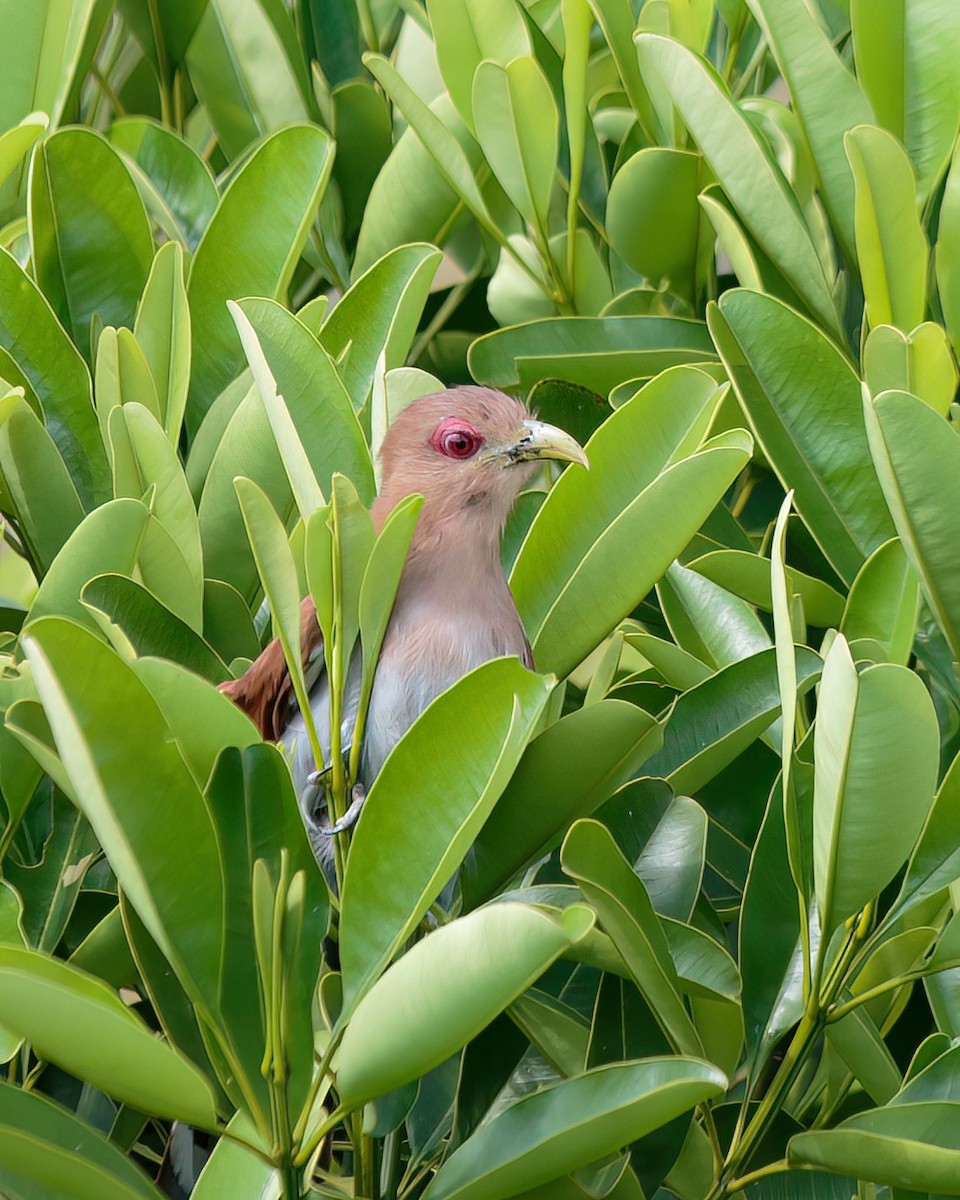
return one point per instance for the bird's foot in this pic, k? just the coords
(351, 816)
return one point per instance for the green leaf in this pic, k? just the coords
(162, 329)
(936, 859)
(445, 990)
(158, 468)
(251, 247)
(587, 529)
(149, 627)
(121, 376)
(84, 1027)
(232, 1170)
(381, 578)
(412, 200)
(40, 490)
(517, 127)
(109, 539)
(443, 147)
(15, 143)
(917, 456)
(47, 1148)
(905, 55)
(653, 216)
(892, 249)
(316, 399)
(50, 364)
(948, 253)
(89, 233)
(826, 96)
(303, 482)
(565, 773)
(919, 362)
(469, 31)
(572, 1123)
(419, 821)
(169, 870)
(45, 44)
(203, 720)
(591, 857)
(595, 352)
(278, 574)
(884, 604)
(706, 620)
(748, 575)
(244, 73)
(714, 722)
(913, 1146)
(176, 184)
(737, 157)
(379, 315)
(876, 751)
(671, 863)
(802, 400)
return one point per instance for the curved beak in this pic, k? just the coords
(540, 440)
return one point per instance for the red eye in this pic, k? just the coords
(456, 439)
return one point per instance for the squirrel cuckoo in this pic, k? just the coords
(469, 452)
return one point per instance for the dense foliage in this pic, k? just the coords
(704, 936)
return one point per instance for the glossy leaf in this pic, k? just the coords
(565, 773)
(826, 96)
(591, 858)
(33, 338)
(468, 31)
(378, 315)
(91, 240)
(407, 1024)
(427, 826)
(875, 771)
(175, 183)
(653, 217)
(46, 514)
(919, 362)
(903, 53)
(77, 1022)
(109, 539)
(518, 127)
(712, 723)
(251, 247)
(598, 353)
(46, 1149)
(162, 329)
(883, 604)
(85, 687)
(802, 400)
(150, 627)
(892, 250)
(748, 575)
(572, 1123)
(738, 159)
(918, 457)
(584, 528)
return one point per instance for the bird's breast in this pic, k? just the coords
(419, 660)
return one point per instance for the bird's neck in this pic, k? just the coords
(454, 558)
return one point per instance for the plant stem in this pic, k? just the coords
(805, 1036)
(163, 64)
(839, 1011)
(774, 1168)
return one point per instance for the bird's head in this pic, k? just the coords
(469, 452)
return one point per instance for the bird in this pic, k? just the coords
(469, 452)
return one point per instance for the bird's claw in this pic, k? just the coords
(351, 816)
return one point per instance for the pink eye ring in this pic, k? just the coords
(455, 438)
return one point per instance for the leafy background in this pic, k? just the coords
(704, 936)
